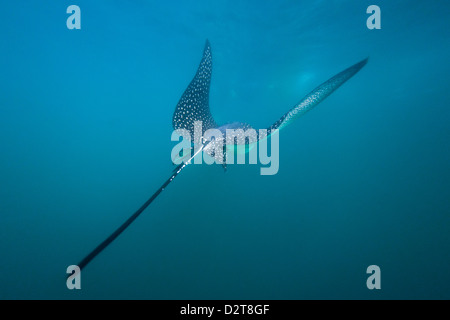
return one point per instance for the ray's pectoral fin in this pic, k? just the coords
(316, 96)
(194, 103)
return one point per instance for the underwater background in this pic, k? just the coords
(85, 126)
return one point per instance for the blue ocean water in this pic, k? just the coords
(85, 125)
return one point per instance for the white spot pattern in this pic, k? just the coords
(194, 103)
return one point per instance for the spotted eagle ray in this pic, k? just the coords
(193, 106)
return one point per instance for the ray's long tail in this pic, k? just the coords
(125, 225)
(133, 217)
